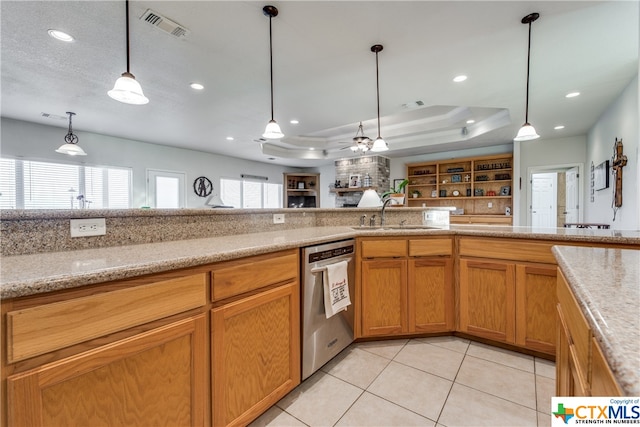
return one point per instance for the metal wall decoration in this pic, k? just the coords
(618, 161)
(202, 186)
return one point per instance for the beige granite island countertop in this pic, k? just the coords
(606, 283)
(23, 275)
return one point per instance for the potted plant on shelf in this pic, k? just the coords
(396, 194)
(416, 194)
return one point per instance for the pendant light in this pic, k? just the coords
(379, 144)
(272, 130)
(127, 89)
(527, 132)
(70, 146)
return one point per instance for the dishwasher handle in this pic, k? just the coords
(317, 270)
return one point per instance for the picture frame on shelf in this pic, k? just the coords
(505, 190)
(354, 181)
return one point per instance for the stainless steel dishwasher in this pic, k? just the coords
(323, 338)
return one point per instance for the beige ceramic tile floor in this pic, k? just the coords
(442, 381)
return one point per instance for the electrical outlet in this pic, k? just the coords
(490, 205)
(278, 218)
(88, 227)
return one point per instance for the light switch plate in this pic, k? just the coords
(88, 227)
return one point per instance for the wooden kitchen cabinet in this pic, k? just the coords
(507, 292)
(581, 368)
(384, 297)
(255, 335)
(487, 299)
(406, 286)
(154, 378)
(535, 307)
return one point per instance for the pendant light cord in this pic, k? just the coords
(127, 20)
(271, 64)
(526, 114)
(378, 93)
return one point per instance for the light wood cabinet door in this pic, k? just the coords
(430, 295)
(487, 299)
(384, 297)
(156, 378)
(603, 383)
(536, 307)
(255, 352)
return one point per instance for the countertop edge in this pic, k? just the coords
(626, 375)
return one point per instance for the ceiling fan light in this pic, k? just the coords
(526, 133)
(379, 145)
(128, 90)
(71, 150)
(272, 130)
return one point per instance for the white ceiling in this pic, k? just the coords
(324, 71)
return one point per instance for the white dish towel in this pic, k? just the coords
(336, 288)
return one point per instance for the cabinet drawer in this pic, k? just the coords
(41, 329)
(508, 249)
(430, 247)
(578, 328)
(384, 248)
(244, 275)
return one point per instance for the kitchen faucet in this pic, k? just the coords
(384, 206)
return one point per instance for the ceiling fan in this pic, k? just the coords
(360, 142)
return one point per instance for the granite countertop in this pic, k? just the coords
(606, 283)
(23, 275)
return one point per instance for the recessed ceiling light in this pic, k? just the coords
(196, 86)
(311, 149)
(294, 122)
(559, 127)
(470, 121)
(459, 78)
(229, 138)
(60, 35)
(572, 94)
(271, 158)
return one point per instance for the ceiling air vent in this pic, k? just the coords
(165, 24)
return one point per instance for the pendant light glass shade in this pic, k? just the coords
(71, 147)
(272, 130)
(71, 150)
(527, 132)
(370, 199)
(379, 145)
(128, 90)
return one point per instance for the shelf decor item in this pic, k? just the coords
(354, 181)
(505, 190)
(478, 192)
(456, 178)
(601, 176)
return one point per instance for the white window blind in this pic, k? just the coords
(7, 184)
(26, 184)
(250, 194)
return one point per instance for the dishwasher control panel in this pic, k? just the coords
(331, 253)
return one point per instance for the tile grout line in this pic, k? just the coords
(453, 382)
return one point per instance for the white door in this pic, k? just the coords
(572, 200)
(165, 189)
(543, 200)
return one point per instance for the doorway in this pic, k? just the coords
(554, 195)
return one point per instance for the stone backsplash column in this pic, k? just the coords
(376, 166)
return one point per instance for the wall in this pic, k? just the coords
(38, 142)
(545, 154)
(620, 120)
